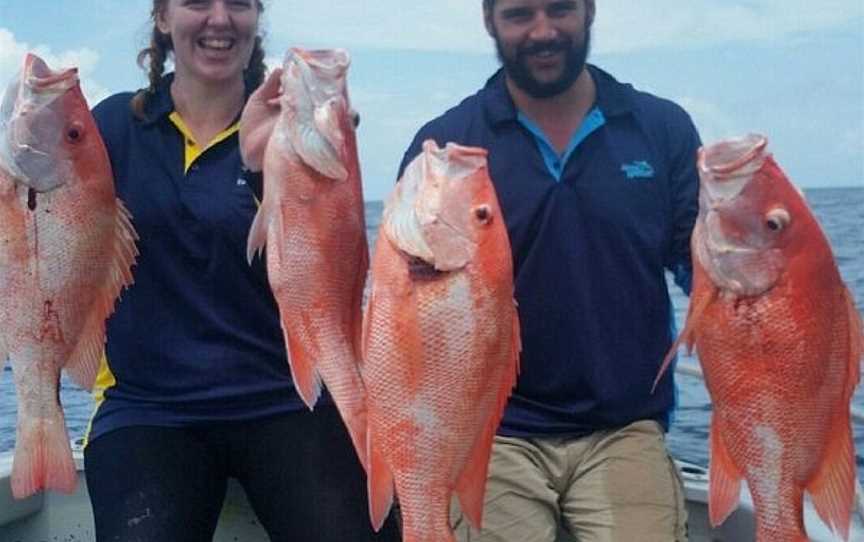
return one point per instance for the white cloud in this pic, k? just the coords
(12, 55)
(621, 25)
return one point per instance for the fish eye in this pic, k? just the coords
(75, 132)
(483, 214)
(777, 219)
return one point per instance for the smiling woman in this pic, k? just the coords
(195, 387)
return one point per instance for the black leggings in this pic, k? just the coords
(299, 471)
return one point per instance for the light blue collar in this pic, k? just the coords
(555, 163)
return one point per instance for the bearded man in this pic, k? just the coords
(598, 186)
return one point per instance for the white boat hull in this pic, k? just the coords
(52, 516)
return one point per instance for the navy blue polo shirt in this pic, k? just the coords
(590, 251)
(196, 339)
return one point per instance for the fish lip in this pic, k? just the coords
(726, 168)
(743, 150)
(40, 78)
(334, 61)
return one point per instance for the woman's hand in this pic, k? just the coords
(256, 122)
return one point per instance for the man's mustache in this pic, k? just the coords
(554, 46)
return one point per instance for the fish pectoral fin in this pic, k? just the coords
(471, 485)
(379, 485)
(307, 381)
(833, 487)
(724, 479)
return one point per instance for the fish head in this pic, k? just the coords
(317, 121)
(753, 222)
(443, 206)
(44, 124)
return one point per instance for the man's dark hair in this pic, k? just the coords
(488, 4)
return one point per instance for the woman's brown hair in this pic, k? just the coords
(156, 54)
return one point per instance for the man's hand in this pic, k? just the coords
(257, 120)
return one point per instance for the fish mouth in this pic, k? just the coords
(25, 136)
(421, 217)
(732, 265)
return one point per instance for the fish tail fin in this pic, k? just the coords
(43, 458)
(471, 484)
(85, 360)
(724, 480)
(833, 487)
(380, 485)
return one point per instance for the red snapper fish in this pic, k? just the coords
(780, 344)
(66, 249)
(312, 223)
(441, 341)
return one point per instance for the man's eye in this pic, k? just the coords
(561, 9)
(517, 15)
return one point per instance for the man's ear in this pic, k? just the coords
(589, 8)
(487, 21)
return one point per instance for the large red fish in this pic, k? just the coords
(441, 341)
(311, 220)
(780, 344)
(66, 249)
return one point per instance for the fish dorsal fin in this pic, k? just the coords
(471, 484)
(84, 363)
(724, 478)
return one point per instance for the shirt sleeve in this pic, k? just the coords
(684, 183)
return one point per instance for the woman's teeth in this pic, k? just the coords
(218, 44)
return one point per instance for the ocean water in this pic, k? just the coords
(841, 213)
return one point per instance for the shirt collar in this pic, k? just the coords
(613, 98)
(161, 104)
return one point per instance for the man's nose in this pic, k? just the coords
(542, 29)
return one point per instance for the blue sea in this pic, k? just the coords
(841, 213)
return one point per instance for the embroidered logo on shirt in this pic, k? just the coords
(639, 169)
(241, 182)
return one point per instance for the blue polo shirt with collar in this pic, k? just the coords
(591, 246)
(196, 339)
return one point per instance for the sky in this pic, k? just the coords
(792, 70)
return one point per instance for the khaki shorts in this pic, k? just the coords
(609, 486)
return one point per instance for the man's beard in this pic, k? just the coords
(574, 61)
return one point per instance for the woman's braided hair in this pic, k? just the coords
(160, 46)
